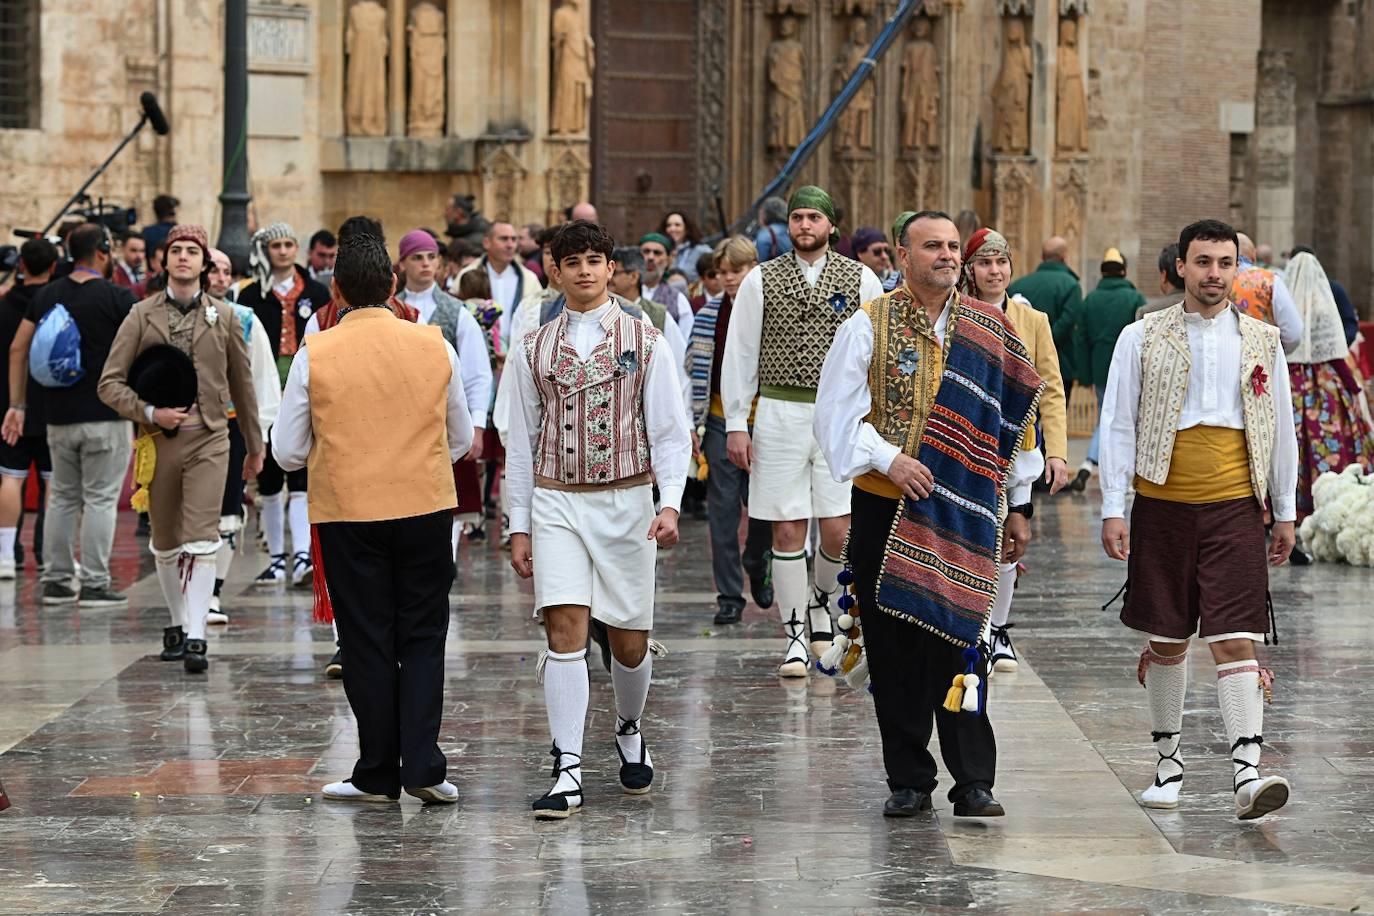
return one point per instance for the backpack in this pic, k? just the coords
(55, 353)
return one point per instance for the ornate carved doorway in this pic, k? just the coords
(644, 112)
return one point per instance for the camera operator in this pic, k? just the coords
(165, 209)
(90, 444)
(38, 257)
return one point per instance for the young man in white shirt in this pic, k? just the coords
(782, 323)
(596, 414)
(1198, 417)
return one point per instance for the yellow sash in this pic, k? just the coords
(1209, 464)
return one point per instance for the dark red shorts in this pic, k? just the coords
(1197, 569)
(468, 482)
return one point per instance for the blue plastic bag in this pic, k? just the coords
(55, 353)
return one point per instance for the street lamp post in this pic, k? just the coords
(234, 196)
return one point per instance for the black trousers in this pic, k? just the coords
(232, 502)
(912, 669)
(389, 582)
(273, 478)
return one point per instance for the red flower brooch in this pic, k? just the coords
(1258, 379)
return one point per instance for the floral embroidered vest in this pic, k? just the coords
(592, 431)
(1165, 359)
(800, 320)
(1253, 294)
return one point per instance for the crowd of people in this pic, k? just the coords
(879, 406)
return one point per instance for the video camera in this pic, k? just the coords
(117, 219)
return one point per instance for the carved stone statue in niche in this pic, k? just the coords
(1070, 195)
(854, 129)
(792, 7)
(920, 99)
(1012, 92)
(1071, 100)
(428, 46)
(574, 62)
(787, 85)
(366, 44)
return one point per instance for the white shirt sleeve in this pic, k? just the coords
(1026, 467)
(1120, 405)
(851, 446)
(685, 316)
(312, 324)
(521, 438)
(739, 367)
(1283, 463)
(459, 421)
(1286, 316)
(292, 435)
(670, 437)
(677, 345)
(870, 287)
(266, 381)
(475, 363)
(524, 321)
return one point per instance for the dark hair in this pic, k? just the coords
(37, 255)
(323, 237)
(363, 269)
(361, 225)
(627, 259)
(165, 206)
(1113, 269)
(545, 237)
(674, 272)
(475, 284)
(921, 214)
(85, 240)
(693, 233)
(1206, 230)
(1168, 265)
(130, 236)
(706, 263)
(461, 248)
(578, 236)
(1302, 249)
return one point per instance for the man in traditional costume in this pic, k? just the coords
(986, 275)
(781, 325)
(284, 298)
(184, 450)
(596, 413)
(381, 507)
(267, 387)
(727, 486)
(926, 401)
(1197, 416)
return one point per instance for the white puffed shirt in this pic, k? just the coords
(851, 445)
(670, 439)
(739, 366)
(293, 436)
(685, 315)
(1213, 399)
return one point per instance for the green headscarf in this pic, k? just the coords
(811, 197)
(658, 237)
(899, 226)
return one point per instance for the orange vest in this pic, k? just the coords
(378, 408)
(1253, 294)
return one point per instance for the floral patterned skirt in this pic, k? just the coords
(1332, 433)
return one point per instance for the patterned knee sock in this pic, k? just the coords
(1166, 685)
(1242, 709)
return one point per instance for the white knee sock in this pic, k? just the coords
(335, 625)
(1166, 686)
(272, 511)
(826, 572)
(790, 585)
(7, 536)
(456, 537)
(229, 526)
(824, 575)
(200, 585)
(169, 577)
(1242, 709)
(565, 698)
(299, 514)
(631, 687)
(1006, 585)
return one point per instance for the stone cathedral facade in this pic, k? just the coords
(1110, 122)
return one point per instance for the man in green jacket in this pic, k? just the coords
(1105, 314)
(1053, 289)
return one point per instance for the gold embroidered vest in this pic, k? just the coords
(1166, 358)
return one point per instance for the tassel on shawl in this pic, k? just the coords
(966, 693)
(845, 657)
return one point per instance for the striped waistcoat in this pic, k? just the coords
(592, 430)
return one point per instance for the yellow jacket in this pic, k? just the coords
(1033, 327)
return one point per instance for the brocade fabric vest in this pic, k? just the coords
(1253, 294)
(800, 320)
(1166, 358)
(592, 431)
(378, 408)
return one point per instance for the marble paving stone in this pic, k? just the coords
(767, 795)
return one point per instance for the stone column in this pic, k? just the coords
(398, 61)
(1276, 146)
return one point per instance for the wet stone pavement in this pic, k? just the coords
(138, 789)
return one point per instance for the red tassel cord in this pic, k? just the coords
(324, 610)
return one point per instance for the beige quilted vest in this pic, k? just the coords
(1165, 359)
